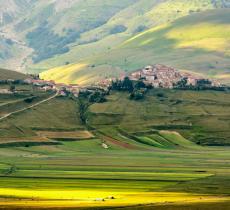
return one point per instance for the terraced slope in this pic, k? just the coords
(166, 140)
(165, 122)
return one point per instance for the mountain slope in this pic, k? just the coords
(12, 9)
(198, 43)
(51, 33)
(46, 28)
(51, 25)
(136, 18)
(7, 74)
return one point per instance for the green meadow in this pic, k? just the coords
(169, 151)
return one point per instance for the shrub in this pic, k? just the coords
(118, 29)
(160, 95)
(97, 97)
(140, 28)
(30, 100)
(138, 94)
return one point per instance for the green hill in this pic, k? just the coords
(135, 18)
(198, 43)
(46, 34)
(198, 116)
(8, 74)
(165, 119)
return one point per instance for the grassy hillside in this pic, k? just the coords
(51, 33)
(201, 117)
(185, 117)
(197, 43)
(8, 74)
(138, 17)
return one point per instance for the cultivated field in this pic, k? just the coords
(76, 135)
(157, 154)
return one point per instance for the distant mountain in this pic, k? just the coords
(10, 10)
(39, 35)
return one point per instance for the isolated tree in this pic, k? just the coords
(83, 106)
(127, 84)
(140, 84)
(97, 97)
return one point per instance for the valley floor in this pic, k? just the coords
(82, 174)
(129, 158)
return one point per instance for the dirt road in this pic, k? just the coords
(32, 106)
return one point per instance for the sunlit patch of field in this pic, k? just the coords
(93, 188)
(203, 35)
(66, 135)
(109, 178)
(223, 76)
(58, 72)
(23, 139)
(92, 198)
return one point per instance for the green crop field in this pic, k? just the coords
(158, 153)
(167, 150)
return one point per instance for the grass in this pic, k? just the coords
(21, 129)
(190, 117)
(184, 44)
(141, 13)
(152, 158)
(77, 135)
(7, 74)
(58, 178)
(52, 111)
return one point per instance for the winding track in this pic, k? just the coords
(24, 109)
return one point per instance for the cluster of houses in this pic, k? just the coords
(159, 76)
(62, 88)
(162, 76)
(42, 85)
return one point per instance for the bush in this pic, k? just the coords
(160, 95)
(137, 94)
(140, 28)
(30, 100)
(97, 97)
(118, 29)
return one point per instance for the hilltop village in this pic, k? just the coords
(162, 76)
(156, 76)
